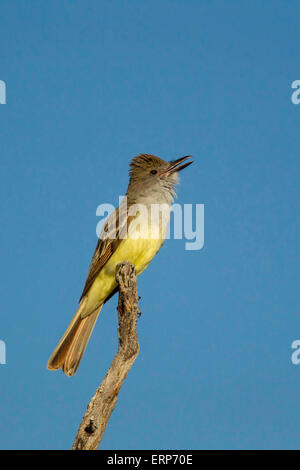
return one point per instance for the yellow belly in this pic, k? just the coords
(138, 251)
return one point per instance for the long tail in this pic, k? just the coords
(69, 351)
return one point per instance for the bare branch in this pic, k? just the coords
(98, 412)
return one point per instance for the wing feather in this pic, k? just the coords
(108, 242)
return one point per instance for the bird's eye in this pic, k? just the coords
(153, 172)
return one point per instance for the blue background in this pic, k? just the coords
(90, 84)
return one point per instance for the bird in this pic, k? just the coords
(130, 234)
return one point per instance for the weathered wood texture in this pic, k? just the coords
(98, 412)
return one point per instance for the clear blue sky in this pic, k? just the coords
(90, 84)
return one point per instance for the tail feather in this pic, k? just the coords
(69, 351)
(79, 343)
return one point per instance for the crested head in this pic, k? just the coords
(153, 175)
(146, 167)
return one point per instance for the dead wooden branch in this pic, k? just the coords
(98, 412)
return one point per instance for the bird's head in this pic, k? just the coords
(151, 173)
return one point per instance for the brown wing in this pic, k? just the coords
(107, 244)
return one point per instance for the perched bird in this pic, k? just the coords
(131, 234)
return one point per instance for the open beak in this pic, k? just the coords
(175, 165)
